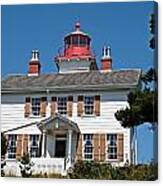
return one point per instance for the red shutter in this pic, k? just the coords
(97, 105)
(53, 105)
(80, 106)
(96, 146)
(43, 106)
(19, 146)
(27, 107)
(25, 144)
(120, 146)
(102, 147)
(79, 148)
(70, 106)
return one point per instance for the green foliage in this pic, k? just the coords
(143, 104)
(142, 108)
(26, 166)
(152, 28)
(91, 170)
(94, 170)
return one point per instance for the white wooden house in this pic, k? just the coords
(67, 116)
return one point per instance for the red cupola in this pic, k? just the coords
(77, 44)
(77, 49)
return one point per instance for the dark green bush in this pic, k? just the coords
(94, 170)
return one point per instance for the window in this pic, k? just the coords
(89, 105)
(36, 106)
(62, 105)
(88, 147)
(12, 146)
(82, 41)
(112, 146)
(34, 146)
(75, 40)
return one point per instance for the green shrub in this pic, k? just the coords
(94, 170)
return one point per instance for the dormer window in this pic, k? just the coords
(36, 106)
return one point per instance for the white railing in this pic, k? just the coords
(40, 166)
(48, 165)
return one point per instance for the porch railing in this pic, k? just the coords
(48, 165)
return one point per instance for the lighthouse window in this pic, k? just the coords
(67, 41)
(12, 146)
(89, 105)
(62, 105)
(82, 41)
(75, 40)
(36, 106)
(112, 146)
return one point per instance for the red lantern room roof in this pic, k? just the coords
(76, 46)
(77, 31)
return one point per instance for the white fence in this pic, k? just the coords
(40, 166)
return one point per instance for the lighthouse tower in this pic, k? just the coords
(77, 55)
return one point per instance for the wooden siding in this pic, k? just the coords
(12, 112)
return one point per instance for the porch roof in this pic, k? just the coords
(58, 122)
(63, 122)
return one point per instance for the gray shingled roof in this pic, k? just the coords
(121, 78)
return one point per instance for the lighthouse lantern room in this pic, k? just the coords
(77, 55)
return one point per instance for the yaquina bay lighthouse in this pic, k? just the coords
(60, 118)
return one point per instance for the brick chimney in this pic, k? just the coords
(34, 64)
(106, 60)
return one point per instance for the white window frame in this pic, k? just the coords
(12, 144)
(62, 105)
(85, 140)
(89, 105)
(112, 145)
(34, 146)
(37, 106)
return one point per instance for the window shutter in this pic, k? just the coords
(27, 107)
(96, 147)
(43, 106)
(53, 105)
(120, 146)
(80, 106)
(70, 106)
(19, 146)
(97, 105)
(102, 147)
(79, 148)
(25, 144)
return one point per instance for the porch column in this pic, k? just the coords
(43, 150)
(69, 144)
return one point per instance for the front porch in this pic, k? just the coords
(59, 139)
(57, 148)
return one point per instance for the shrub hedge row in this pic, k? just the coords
(94, 170)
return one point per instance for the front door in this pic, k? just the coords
(60, 148)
